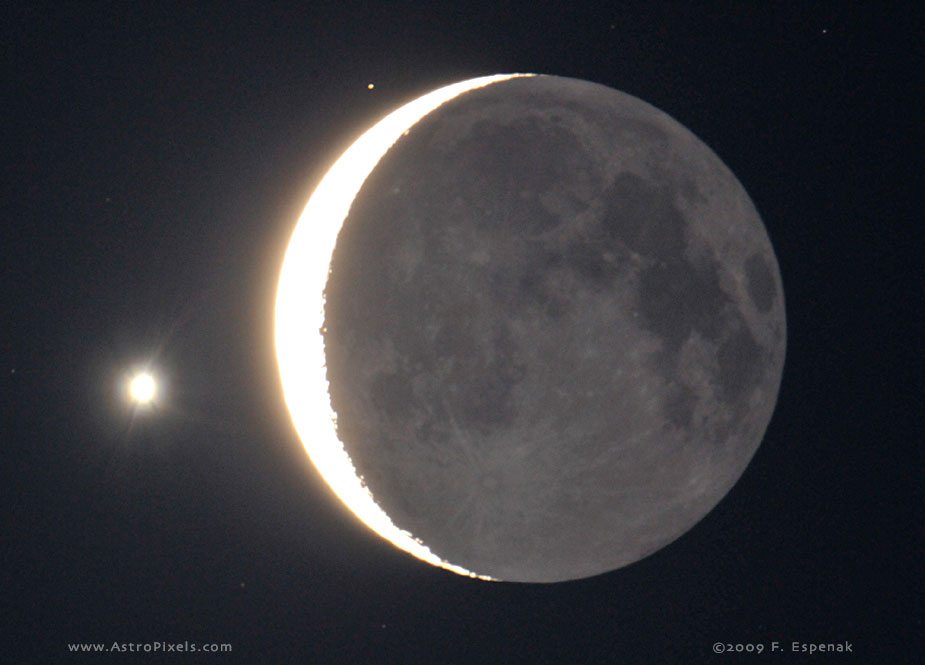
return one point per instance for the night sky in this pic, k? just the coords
(155, 162)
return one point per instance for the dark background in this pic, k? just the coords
(155, 162)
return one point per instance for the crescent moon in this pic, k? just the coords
(298, 325)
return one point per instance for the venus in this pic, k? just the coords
(142, 388)
(552, 331)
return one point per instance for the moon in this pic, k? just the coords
(551, 335)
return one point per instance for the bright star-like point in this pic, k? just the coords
(142, 388)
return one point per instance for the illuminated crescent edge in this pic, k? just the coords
(299, 336)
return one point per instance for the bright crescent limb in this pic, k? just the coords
(299, 341)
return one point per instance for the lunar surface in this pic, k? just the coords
(554, 330)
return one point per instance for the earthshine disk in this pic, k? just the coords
(552, 330)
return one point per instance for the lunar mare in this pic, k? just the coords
(553, 331)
